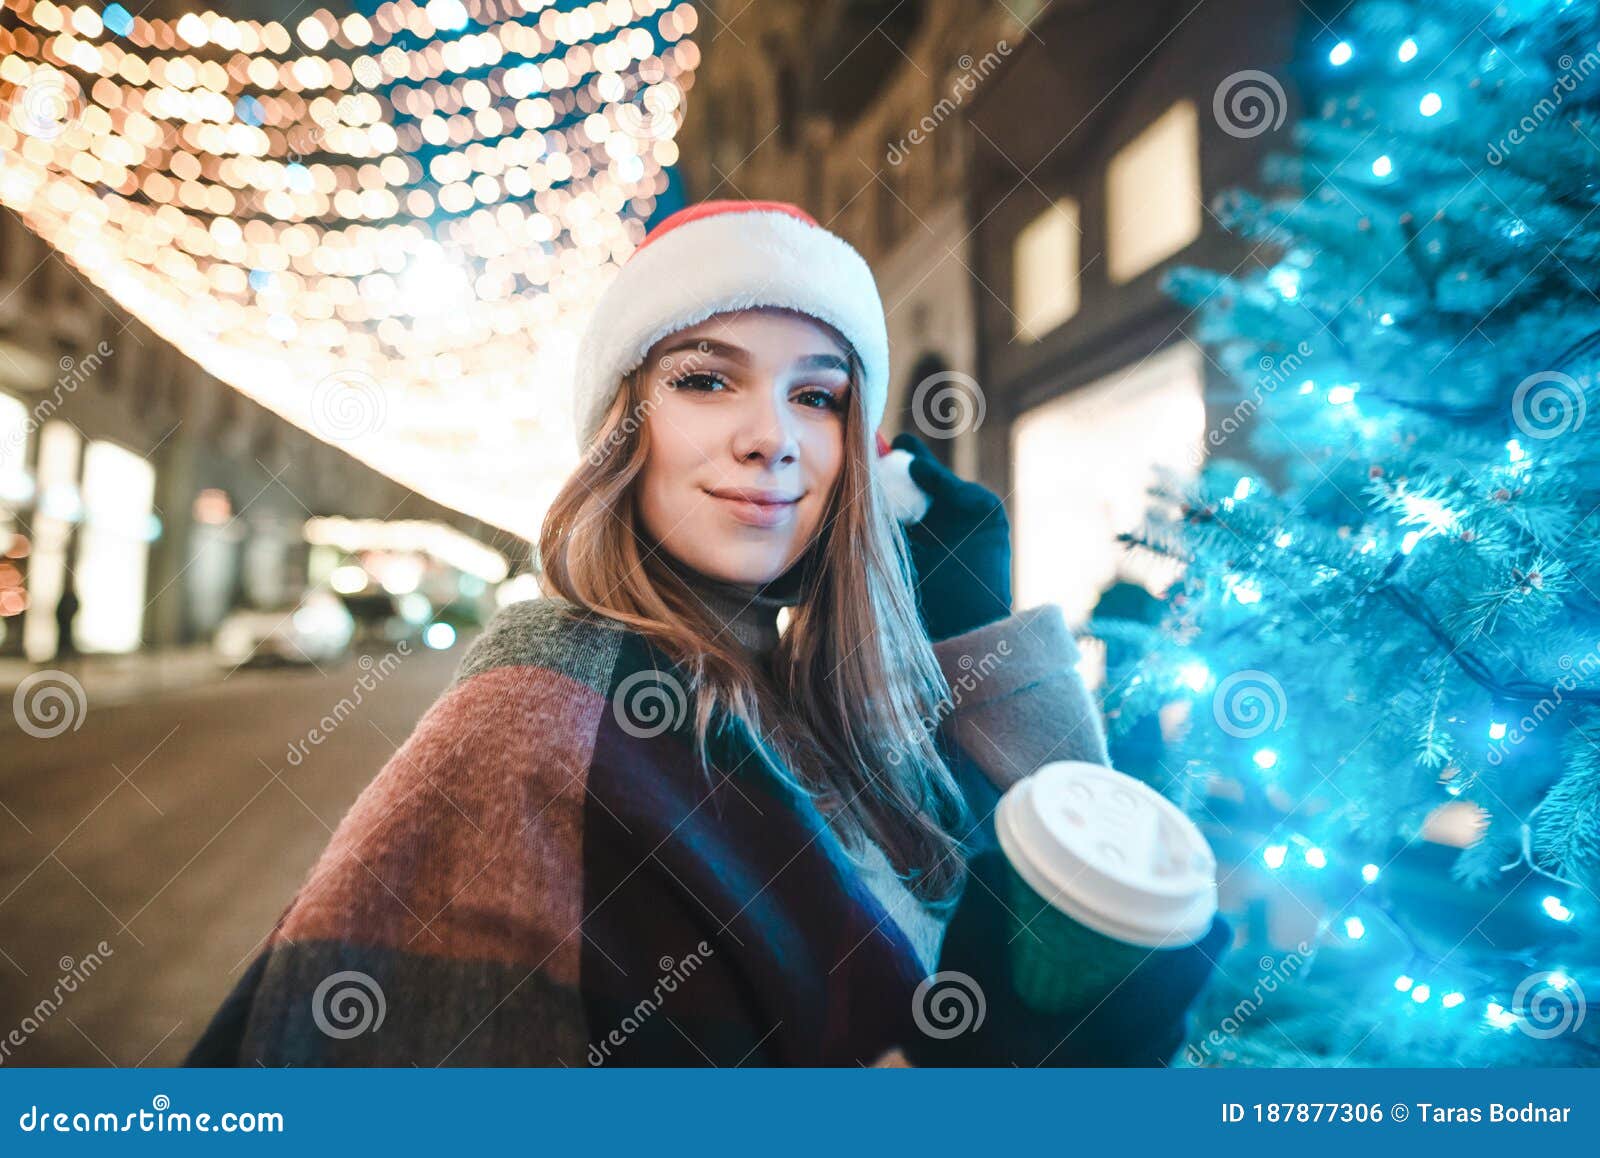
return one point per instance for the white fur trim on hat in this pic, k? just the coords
(907, 501)
(733, 260)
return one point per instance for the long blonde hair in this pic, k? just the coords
(854, 691)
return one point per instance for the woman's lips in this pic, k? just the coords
(757, 508)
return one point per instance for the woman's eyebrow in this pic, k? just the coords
(823, 362)
(709, 346)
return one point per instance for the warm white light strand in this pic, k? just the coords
(387, 229)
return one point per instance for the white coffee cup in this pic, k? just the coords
(1111, 853)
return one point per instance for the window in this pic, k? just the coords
(1153, 194)
(114, 547)
(1044, 270)
(58, 507)
(1083, 463)
(16, 486)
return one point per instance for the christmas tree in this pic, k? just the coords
(1378, 680)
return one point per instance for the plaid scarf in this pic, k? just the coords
(542, 874)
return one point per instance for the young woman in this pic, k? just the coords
(645, 825)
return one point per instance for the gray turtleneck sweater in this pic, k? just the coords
(1017, 702)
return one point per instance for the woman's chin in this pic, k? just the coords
(740, 565)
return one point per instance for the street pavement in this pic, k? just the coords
(174, 829)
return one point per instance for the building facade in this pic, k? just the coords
(143, 490)
(855, 109)
(1097, 153)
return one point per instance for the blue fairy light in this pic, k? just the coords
(118, 19)
(1557, 911)
(1498, 1016)
(1286, 282)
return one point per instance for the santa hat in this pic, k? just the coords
(720, 256)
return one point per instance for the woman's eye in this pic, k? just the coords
(702, 382)
(819, 399)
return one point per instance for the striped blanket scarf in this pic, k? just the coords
(542, 875)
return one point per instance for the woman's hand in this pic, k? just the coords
(960, 550)
(1143, 1021)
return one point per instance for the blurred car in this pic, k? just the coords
(383, 620)
(316, 630)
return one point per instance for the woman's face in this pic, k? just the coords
(746, 416)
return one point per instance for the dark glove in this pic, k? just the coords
(960, 550)
(1142, 1023)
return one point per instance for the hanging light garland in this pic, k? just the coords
(387, 229)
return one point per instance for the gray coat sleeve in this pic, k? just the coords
(1017, 701)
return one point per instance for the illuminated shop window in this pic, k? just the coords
(1153, 194)
(118, 492)
(16, 487)
(1083, 464)
(1044, 270)
(58, 508)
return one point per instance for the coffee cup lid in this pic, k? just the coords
(1111, 852)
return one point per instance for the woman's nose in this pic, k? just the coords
(766, 429)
